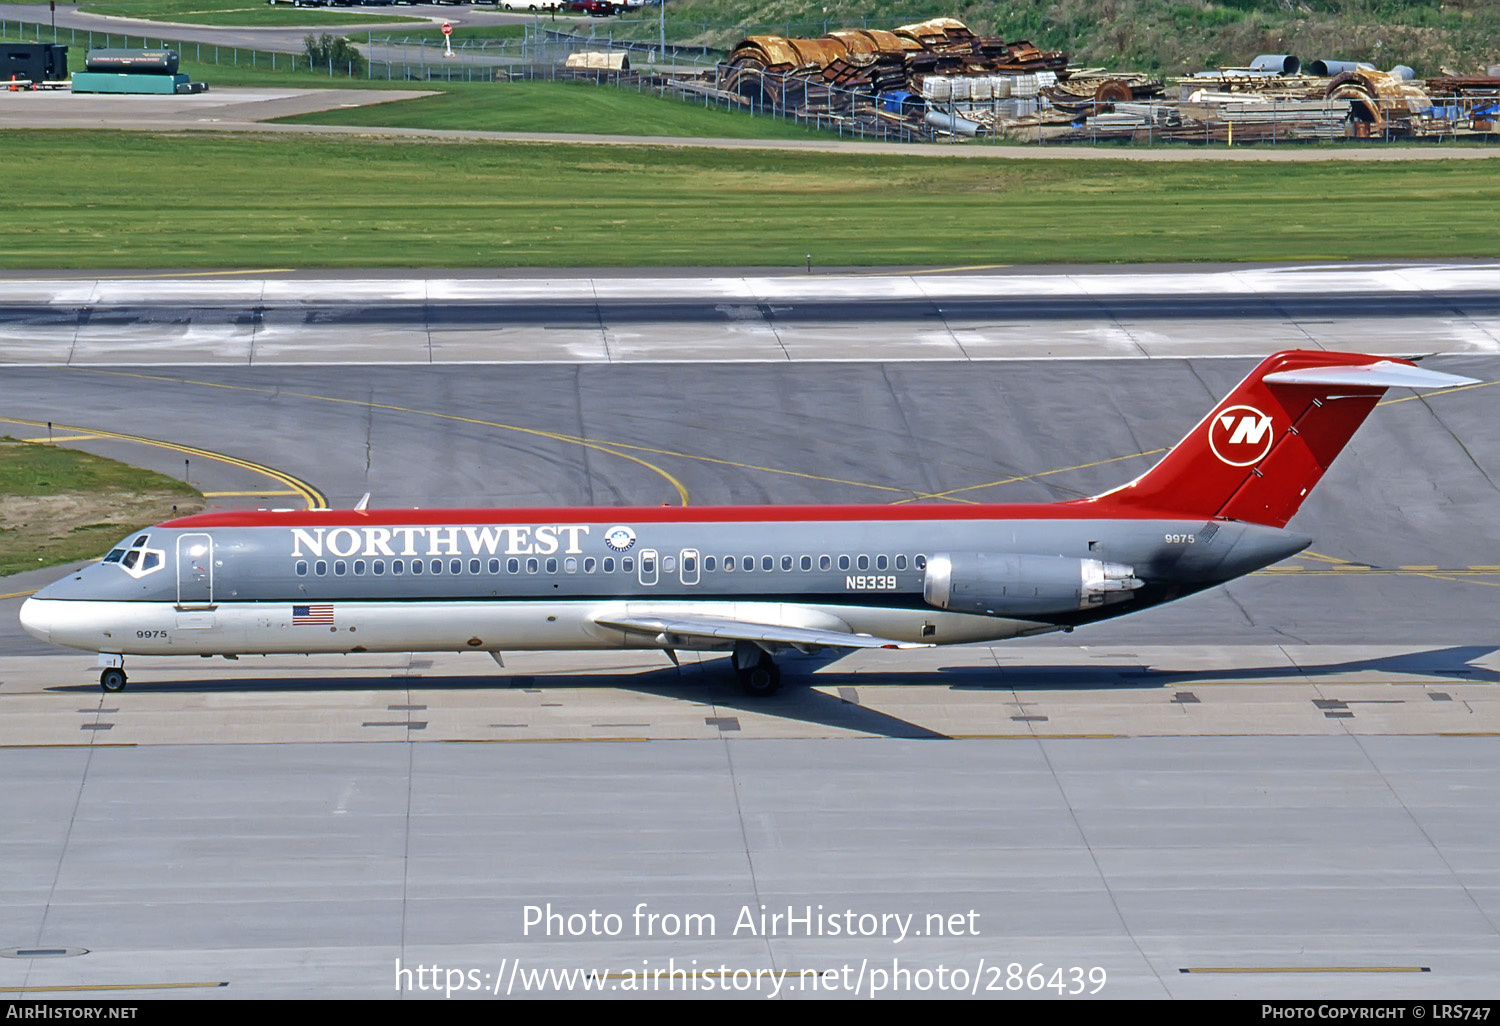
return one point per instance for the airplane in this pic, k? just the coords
(754, 581)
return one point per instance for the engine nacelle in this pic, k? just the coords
(1007, 584)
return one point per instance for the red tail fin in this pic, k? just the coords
(1261, 450)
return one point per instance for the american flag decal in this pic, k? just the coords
(313, 616)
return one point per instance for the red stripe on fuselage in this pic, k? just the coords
(1082, 509)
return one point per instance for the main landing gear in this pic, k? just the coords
(112, 679)
(757, 672)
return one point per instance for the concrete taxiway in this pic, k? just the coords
(257, 319)
(1282, 788)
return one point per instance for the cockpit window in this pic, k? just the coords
(137, 560)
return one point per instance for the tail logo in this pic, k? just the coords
(1240, 435)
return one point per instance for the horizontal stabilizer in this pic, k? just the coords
(1385, 374)
(681, 630)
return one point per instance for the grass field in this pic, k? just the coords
(523, 106)
(59, 505)
(104, 200)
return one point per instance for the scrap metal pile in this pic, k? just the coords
(871, 76)
(938, 79)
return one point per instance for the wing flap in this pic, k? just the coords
(713, 628)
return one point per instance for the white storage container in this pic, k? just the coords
(937, 89)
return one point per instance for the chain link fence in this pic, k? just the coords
(689, 72)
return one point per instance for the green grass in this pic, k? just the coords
(60, 505)
(523, 106)
(105, 200)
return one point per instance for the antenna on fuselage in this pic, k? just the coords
(362, 504)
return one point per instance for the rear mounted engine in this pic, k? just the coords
(1004, 584)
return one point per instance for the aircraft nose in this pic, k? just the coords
(36, 620)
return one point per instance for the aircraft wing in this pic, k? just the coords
(713, 628)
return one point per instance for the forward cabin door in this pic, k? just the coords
(195, 570)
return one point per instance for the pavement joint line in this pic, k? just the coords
(269, 491)
(93, 987)
(64, 744)
(1309, 969)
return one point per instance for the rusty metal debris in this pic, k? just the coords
(938, 80)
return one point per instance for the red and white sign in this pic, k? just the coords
(447, 29)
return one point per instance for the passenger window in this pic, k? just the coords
(359, 568)
(628, 564)
(786, 562)
(320, 567)
(533, 565)
(901, 561)
(748, 563)
(513, 566)
(339, 567)
(881, 563)
(435, 566)
(301, 568)
(473, 566)
(494, 566)
(863, 562)
(806, 562)
(709, 562)
(920, 562)
(398, 566)
(589, 564)
(728, 564)
(378, 567)
(416, 566)
(843, 562)
(767, 563)
(455, 566)
(552, 565)
(609, 564)
(824, 562)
